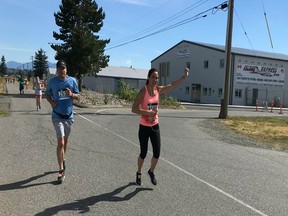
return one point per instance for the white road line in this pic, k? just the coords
(186, 172)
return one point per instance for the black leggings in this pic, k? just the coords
(154, 134)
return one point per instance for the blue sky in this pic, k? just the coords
(28, 25)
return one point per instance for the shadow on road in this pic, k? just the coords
(83, 205)
(28, 95)
(24, 183)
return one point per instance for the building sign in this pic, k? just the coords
(183, 51)
(261, 75)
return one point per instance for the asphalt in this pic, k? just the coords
(198, 173)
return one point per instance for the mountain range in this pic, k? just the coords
(27, 65)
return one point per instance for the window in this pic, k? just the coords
(209, 91)
(168, 69)
(204, 91)
(220, 91)
(164, 70)
(187, 90)
(238, 93)
(206, 63)
(221, 63)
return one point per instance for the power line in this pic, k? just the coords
(169, 19)
(244, 31)
(266, 20)
(147, 14)
(203, 14)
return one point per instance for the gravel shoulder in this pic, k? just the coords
(216, 129)
(90, 98)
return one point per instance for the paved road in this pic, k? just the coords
(197, 175)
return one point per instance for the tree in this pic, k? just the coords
(83, 51)
(40, 64)
(3, 67)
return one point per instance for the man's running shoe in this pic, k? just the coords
(138, 178)
(61, 176)
(152, 177)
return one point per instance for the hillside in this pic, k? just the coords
(27, 65)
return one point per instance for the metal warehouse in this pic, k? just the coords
(108, 79)
(255, 75)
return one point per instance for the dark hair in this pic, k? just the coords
(152, 70)
(61, 63)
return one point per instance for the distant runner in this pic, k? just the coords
(38, 93)
(21, 84)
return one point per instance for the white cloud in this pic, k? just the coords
(135, 2)
(16, 49)
(129, 63)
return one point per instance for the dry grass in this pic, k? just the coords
(2, 85)
(2, 91)
(269, 131)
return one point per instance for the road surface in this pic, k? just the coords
(198, 174)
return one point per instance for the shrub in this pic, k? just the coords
(169, 102)
(126, 92)
(106, 98)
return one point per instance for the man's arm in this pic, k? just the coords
(51, 101)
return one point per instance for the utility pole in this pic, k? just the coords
(224, 102)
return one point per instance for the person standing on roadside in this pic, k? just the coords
(38, 92)
(146, 105)
(60, 93)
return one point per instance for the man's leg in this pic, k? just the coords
(65, 145)
(61, 151)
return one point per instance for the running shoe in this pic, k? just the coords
(61, 176)
(138, 178)
(152, 177)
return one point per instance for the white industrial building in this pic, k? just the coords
(108, 79)
(255, 75)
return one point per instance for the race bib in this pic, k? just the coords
(63, 95)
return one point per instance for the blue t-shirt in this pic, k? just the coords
(56, 89)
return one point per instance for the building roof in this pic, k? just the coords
(236, 50)
(121, 72)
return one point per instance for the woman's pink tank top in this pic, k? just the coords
(150, 103)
